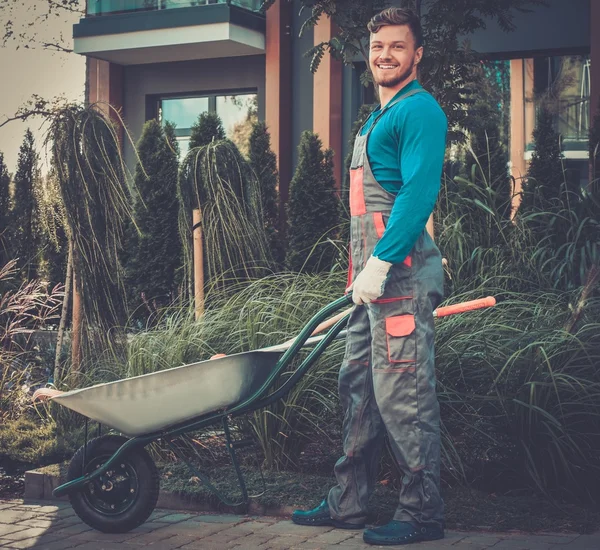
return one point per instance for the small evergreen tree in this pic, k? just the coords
(5, 224)
(264, 163)
(207, 129)
(154, 250)
(545, 175)
(313, 209)
(24, 207)
(53, 242)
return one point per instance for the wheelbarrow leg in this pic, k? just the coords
(234, 461)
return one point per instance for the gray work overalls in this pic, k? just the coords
(387, 378)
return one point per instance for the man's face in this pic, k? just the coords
(393, 57)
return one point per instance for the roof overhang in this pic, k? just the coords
(171, 35)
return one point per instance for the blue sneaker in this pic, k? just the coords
(320, 516)
(401, 532)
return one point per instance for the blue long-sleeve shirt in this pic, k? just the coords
(406, 153)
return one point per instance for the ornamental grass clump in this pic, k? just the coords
(92, 177)
(216, 179)
(24, 309)
(519, 389)
(250, 316)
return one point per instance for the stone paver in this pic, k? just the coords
(55, 527)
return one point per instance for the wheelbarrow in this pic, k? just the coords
(113, 483)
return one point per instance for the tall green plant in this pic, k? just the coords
(313, 209)
(154, 249)
(263, 161)
(91, 174)
(216, 179)
(23, 211)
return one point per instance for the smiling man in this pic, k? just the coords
(387, 378)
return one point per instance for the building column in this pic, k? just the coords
(594, 67)
(327, 98)
(522, 121)
(105, 87)
(278, 93)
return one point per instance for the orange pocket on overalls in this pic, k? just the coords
(401, 338)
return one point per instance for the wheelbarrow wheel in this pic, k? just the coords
(121, 499)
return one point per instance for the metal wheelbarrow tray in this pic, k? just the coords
(113, 483)
(143, 404)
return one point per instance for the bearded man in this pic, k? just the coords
(387, 378)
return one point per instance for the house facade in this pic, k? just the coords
(173, 59)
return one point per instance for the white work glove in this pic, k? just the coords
(369, 283)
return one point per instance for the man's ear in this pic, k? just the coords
(419, 55)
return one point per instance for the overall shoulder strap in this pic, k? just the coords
(390, 105)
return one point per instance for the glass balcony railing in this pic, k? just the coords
(109, 7)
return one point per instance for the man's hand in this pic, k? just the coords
(369, 283)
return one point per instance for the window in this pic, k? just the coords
(237, 111)
(565, 82)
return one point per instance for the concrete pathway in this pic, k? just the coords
(54, 526)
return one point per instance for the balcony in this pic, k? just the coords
(107, 7)
(131, 32)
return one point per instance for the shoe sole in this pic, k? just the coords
(328, 522)
(397, 542)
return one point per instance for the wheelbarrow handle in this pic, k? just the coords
(489, 301)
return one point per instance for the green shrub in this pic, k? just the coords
(264, 163)
(33, 443)
(208, 128)
(154, 247)
(24, 235)
(313, 209)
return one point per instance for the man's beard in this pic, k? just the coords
(394, 81)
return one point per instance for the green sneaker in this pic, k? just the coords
(320, 516)
(401, 532)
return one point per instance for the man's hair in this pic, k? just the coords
(398, 16)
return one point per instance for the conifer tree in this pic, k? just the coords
(5, 225)
(313, 209)
(207, 129)
(53, 241)
(154, 248)
(545, 176)
(264, 163)
(24, 207)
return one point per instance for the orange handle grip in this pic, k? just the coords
(465, 306)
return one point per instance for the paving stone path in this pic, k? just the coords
(54, 526)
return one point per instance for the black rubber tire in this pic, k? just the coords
(140, 472)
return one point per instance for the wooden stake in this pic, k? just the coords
(63, 316)
(77, 321)
(198, 263)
